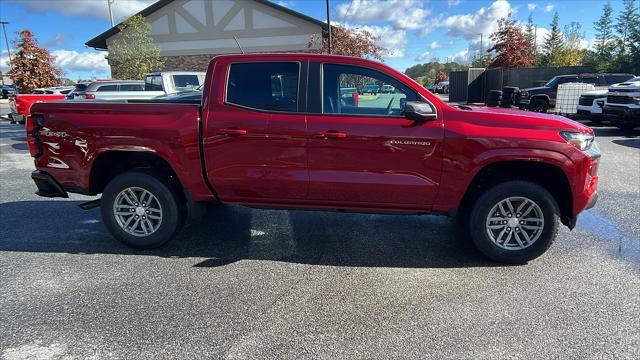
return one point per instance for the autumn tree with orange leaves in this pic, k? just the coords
(32, 66)
(349, 42)
(511, 45)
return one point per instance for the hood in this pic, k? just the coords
(535, 90)
(595, 93)
(635, 85)
(514, 118)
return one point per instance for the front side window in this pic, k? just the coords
(361, 91)
(264, 86)
(153, 83)
(590, 80)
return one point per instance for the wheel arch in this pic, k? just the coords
(548, 175)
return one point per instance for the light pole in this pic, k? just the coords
(329, 26)
(481, 45)
(109, 3)
(5, 39)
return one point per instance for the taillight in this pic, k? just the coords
(89, 96)
(33, 126)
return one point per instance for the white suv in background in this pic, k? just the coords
(622, 106)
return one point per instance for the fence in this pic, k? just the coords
(474, 85)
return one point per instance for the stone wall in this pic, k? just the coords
(187, 62)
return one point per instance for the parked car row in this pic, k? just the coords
(542, 98)
(156, 84)
(619, 104)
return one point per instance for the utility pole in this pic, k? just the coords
(109, 3)
(481, 45)
(5, 39)
(329, 26)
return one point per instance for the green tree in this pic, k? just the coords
(605, 38)
(572, 53)
(530, 33)
(625, 24)
(634, 46)
(133, 53)
(32, 66)
(553, 44)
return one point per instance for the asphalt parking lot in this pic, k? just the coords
(247, 284)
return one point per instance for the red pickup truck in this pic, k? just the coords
(274, 131)
(21, 104)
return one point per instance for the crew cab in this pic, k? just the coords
(540, 99)
(274, 131)
(622, 105)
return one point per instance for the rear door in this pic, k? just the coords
(255, 134)
(367, 153)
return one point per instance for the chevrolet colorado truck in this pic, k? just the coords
(274, 131)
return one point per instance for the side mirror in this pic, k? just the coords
(419, 111)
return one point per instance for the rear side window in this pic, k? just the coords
(264, 86)
(107, 88)
(65, 91)
(153, 83)
(131, 87)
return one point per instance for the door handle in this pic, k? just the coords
(332, 134)
(232, 131)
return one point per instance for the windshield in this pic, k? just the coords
(552, 82)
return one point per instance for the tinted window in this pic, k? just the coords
(265, 86)
(567, 79)
(153, 83)
(107, 88)
(65, 91)
(131, 87)
(186, 81)
(591, 80)
(614, 79)
(339, 98)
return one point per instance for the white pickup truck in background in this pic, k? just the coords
(155, 84)
(622, 106)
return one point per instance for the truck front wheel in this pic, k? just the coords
(514, 221)
(539, 105)
(142, 209)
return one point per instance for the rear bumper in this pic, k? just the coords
(47, 185)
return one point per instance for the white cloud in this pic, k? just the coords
(74, 61)
(391, 39)
(89, 8)
(434, 45)
(453, 2)
(56, 40)
(424, 56)
(461, 56)
(470, 26)
(549, 8)
(531, 7)
(404, 14)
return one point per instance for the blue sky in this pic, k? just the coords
(414, 31)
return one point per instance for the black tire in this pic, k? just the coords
(539, 105)
(509, 189)
(171, 201)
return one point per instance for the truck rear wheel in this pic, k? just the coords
(142, 209)
(514, 221)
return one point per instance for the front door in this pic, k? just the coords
(255, 138)
(361, 148)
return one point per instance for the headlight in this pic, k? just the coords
(580, 140)
(524, 94)
(636, 100)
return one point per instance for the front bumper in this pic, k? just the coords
(47, 185)
(627, 114)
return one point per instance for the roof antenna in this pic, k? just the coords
(237, 42)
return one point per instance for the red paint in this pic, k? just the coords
(23, 102)
(313, 160)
